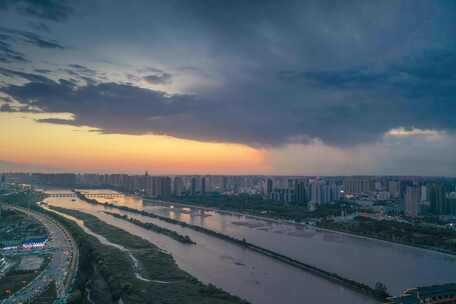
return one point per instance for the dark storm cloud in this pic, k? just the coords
(343, 72)
(151, 75)
(433, 70)
(342, 118)
(9, 55)
(82, 73)
(82, 69)
(29, 38)
(159, 78)
(121, 104)
(43, 71)
(32, 78)
(40, 26)
(340, 79)
(54, 10)
(416, 92)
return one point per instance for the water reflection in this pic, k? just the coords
(247, 274)
(361, 259)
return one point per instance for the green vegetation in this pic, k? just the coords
(14, 281)
(109, 270)
(85, 198)
(152, 227)
(257, 205)
(24, 198)
(112, 269)
(108, 274)
(380, 294)
(48, 296)
(88, 274)
(418, 235)
(16, 226)
(425, 236)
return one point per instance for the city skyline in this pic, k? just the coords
(302, 88)
(413, 196)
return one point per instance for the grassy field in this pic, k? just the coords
(185, 239)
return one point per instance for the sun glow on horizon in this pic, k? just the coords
(84, 149)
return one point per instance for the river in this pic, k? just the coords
(260, 279)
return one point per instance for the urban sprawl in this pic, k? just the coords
(383, 195)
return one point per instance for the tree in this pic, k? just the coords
(381, 290)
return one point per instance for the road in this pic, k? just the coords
(61, 269)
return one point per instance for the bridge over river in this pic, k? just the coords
(87, 194)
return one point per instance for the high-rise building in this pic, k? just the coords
(157, 186)
(316, 192)
(300, 191)
(378, 186)
(225, 183)
(193, 186)
(451, 198)
(412, 198)
(269, 187)
(383, 196)
(322, 193)
(166, 186)
(394, 188)
(203, 185)
(335, 192)
(282, 195)
(55, 179)
(357, 185)
(198, 185)
(437, 199)
(291, 183)
(436, 294)
(424, 196)
(3, 181)
(325, 193)
(178, 186)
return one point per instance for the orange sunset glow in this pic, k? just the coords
(58, 146)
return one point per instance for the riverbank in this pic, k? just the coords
(115, 267)
(224, 211)
(185, 239)
(317, 227)
(391, 239)
(333, 277)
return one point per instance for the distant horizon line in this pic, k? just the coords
(219, 174)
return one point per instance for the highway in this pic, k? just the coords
(61, 269)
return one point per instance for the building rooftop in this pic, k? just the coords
(421, 294)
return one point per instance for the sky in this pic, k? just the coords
(229, 87)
